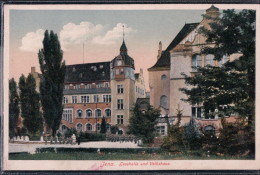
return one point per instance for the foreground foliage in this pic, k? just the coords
(142, 124)
(14, 110)
(52, 81)
(30, 104)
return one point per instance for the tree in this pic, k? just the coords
(143, 124)
(52, 81)
(174, 140)
(191, 136)
(30, 104)
(233, 84)
(13, 106)
(103, 126)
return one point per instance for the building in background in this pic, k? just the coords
(165, 77)
(105, 89)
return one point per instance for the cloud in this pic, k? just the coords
(32, 41)
(72, 34)
(112, 36)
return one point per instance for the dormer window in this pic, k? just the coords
(119, 63)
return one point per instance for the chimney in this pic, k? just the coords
(160, 50)
(32, 69)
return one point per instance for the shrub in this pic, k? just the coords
(173, 142)
(191, 136)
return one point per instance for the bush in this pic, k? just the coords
(35, 138)
(191, 136)
(86, 137)
(173, 142)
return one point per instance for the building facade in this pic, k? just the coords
(104, 89)
(181, 56)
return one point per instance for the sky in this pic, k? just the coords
(101, 32)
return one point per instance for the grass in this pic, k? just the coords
(116, 156)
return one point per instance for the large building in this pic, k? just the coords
(104, 89)
(165, 77)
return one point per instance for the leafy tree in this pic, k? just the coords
(143, 124)
(13, 106)
(103, 126)
(30, 104)
(233, 84)
(52, 81)
(174, 140)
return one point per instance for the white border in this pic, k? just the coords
(97, 165)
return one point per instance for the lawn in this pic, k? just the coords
(117, 156)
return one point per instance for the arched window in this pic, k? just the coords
(107, 113)
(79, 113)
(209, 60)
(88, 127)
(98, 113)
(89, 113)
(108, 126)
(79, 127)
(98, 127)
(64, 128)
(209, 129)
(163, 77)
(164, 102)
(195, 62)
(223, 60)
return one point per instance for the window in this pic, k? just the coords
(64, 128)
(96, 98)
(66, 86)
(196, 112)
(87, 86)
(209, 60)
(89, 127)
(107, 98)
(98, 113)
(223, 60)
(106, 85)
(100, 85)
(117, 71)
(160, 130)
(164, 102)
(79, 113)
(74, 99)
(195, 62)
(120, 89)
(120, 119)
(120, 104)
(122, 71)
(78, 86)
(108, 127)
(67, 115)
(79, 127)
(209, 129)
(84, 99)
(89, 113)
(98, 127)
(209, 113)
(107, 113)
(163, 77)
(65, 100)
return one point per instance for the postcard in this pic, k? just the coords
(131, 87)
